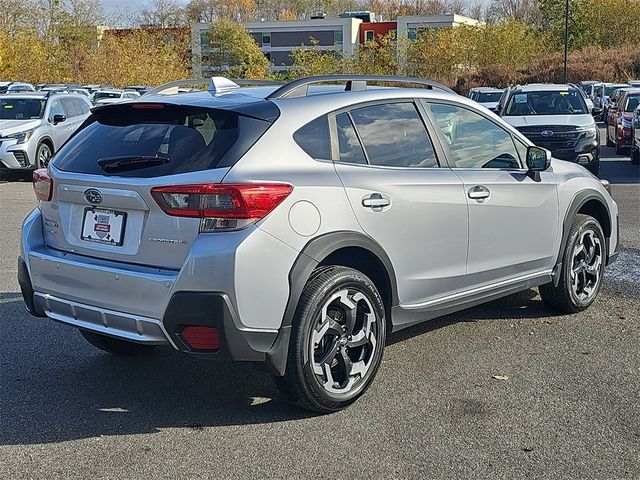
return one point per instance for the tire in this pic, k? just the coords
(619, 150)
(635, 156)
(584, 259)
(115, 346)
(337, 341)
(609, 142)
(43, 155)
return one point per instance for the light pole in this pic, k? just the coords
(566, 40)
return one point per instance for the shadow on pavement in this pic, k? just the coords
(55, 387)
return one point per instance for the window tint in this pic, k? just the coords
(174, 140)
(474, 141)
(393, 135)
(314, 138)
(348, 143)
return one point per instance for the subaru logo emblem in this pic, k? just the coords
(547, 133)
(93, 196)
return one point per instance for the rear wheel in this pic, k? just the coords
(635, 156)
(583, 263)
(619, 149)
(609, 142)
(337, 341)
(116, 346)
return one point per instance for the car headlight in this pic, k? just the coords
(21, 137)
(589, 132)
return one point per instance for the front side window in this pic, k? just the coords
(56, 109)
(71, 108)
(473, 140)
(394, 135)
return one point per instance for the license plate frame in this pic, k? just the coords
(108, 228)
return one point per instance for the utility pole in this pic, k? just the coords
(566, 40)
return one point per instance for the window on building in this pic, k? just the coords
(205, 41)
(337, 37)
(266, 38)
(369, 36)
(412, 34)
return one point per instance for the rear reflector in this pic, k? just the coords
(201, 338)
(221, 207)
(42, 184)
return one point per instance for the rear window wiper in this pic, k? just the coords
(130, 162)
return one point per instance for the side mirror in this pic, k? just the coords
(498, 108)
(538, 160)
(596, 112)
(59, 119)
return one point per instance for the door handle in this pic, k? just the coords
(376, 201)
(479, 192)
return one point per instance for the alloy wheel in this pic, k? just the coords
(44, 155)
(343, 341)
(586, 266)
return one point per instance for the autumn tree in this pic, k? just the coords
(162, 14)
(233, 51)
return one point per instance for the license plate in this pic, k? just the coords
(103, 226)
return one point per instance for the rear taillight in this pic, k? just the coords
(221, 207)
(42, 184)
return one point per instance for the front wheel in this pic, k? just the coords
(583, 263)
(337, 341)
(116, 346)
(43, 155)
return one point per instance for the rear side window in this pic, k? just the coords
(167, 140)
(314, 138)
(393, 135)
(348, 143)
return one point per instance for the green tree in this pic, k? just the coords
(233, 50)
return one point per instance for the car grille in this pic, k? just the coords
(562, 136)
(21, 157)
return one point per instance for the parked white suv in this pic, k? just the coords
(33, 126)
(555, 117)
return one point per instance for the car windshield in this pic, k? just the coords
(550, 102)
(99, 95)
(21, 108)
(609, 89)
(486, 97)
(632, 102)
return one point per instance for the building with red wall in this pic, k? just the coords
(370, 30)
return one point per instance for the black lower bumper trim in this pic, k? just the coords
(213, 309)
(27, 289)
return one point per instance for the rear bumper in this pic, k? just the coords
(132, 303)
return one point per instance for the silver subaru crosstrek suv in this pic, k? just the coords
(34, 125)
(297, 226)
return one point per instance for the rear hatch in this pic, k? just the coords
(102, 204)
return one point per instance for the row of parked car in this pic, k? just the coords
(561, 117)
(36, 120)
(618, 105)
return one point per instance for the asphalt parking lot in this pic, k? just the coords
(568, 408)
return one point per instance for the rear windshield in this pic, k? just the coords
(487, 97)
(99, 95)
(130, 142)
(632, 102)
(609, 89)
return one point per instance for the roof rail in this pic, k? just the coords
(216, 85)
(300, 87)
